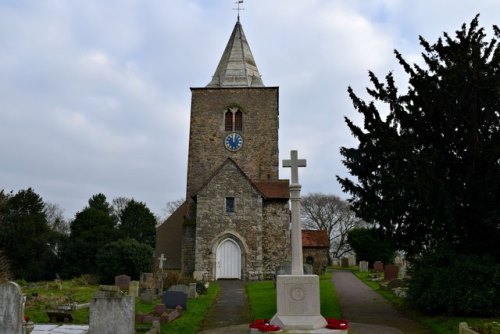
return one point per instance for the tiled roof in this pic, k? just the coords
(274, 189)
(315, 239)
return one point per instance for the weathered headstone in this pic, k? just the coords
(391, 272)
(11, 308)
(122, 281)
(351, 260)
(172, 299)
(112, 314)
(147, 296)
(133, 288)
(378, 266)
(363, 266)
(146, 280)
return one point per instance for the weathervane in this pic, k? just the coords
(238, 3)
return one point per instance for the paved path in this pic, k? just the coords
(231, 310)
(367, 311)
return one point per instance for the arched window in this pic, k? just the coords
(238, 121)
(233, 120)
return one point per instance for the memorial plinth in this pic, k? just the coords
(298, 303)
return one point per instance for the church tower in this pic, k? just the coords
(235, 221)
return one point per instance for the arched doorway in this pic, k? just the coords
(228, 260)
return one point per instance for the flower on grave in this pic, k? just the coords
(333, 323)
(263, 325)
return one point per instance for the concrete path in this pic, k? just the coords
(231, 312)
(367, 311)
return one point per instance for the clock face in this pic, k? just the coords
(233, 141)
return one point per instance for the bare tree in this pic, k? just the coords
(55, 218)
(119, 204)
(169, 208)
(332, 214)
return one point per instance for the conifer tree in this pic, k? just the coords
(428, 174)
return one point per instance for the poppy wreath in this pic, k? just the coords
(263, 325)
(333, 323)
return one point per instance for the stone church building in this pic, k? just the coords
(234, 223)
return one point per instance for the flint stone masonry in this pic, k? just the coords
(263, 242)
(259, 153)
(11, 308)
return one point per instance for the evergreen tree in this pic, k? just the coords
(429, 173)
(137, 222)
(92, 228)
(25, 237)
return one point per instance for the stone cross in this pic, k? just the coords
(294, 163)
(162, 259)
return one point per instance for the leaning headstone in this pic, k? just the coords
(133, 289)
(11, 308)
(172, 299)
(122, 281)
(146, 280)
(147, 296)
(112, 314)
(391, 272)
(378, 266)
(363, 266)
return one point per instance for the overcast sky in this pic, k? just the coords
(94, 95)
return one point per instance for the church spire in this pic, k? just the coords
(237, 67)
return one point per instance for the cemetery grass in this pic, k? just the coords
(262, 298)
(437, 324)
(46, 296)
(191, 320)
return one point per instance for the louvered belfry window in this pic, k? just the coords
(233, 120)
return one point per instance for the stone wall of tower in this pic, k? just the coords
(214, 224)
(275, 236)
(258, 156)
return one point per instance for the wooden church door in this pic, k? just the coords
(228, 263)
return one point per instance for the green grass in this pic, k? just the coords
(49, 297)
(437, 324)
(262, 298)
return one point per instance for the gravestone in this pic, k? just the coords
(122, 281)
(11, 308)
(344, 262)
(391, 272)
(378, 266)
(133, 289)
(147, 296)
(146, 280)
(363, 266)
(172, 299)
(112, 313)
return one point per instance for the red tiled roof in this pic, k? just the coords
(315, 238)
(273, 189)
